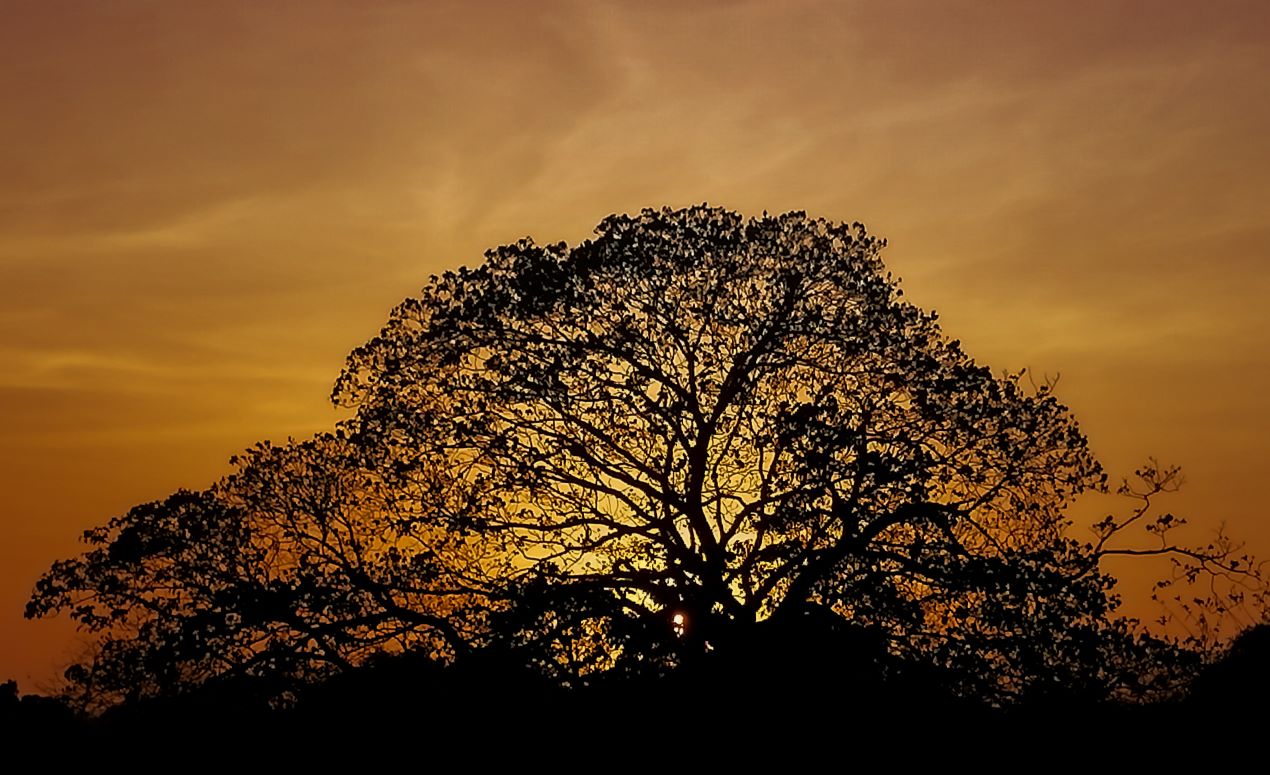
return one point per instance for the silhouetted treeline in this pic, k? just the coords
(700, 482)
(789, 685)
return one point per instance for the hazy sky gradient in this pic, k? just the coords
(205, 205)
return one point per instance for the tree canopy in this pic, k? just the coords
(629, 454)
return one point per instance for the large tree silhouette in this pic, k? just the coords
(721, 421)
(632, 453)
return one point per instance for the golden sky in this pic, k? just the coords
(205, 205)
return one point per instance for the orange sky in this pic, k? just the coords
(205, 205)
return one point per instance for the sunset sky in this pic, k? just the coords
(205, 205)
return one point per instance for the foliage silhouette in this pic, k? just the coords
(289, 569)
(1239, 677)
(24, 716)
(643, 456)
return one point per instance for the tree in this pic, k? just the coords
(630, 454)
(296, 566)
(719, 421)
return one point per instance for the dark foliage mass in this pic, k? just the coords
(694, 451)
